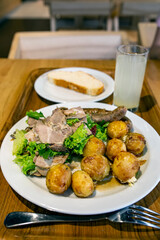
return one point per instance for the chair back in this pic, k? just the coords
(65, 45)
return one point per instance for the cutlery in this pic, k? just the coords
(133, 214)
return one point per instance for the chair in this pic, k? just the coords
(66, 45)
(139, 10)
(78, 9)
(147, 8)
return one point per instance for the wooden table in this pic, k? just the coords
(17, 96)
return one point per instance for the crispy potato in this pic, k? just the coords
(96, 165)
(82, 184)
(125, 166)
(117, 129)
(58, 178)
(135, 143)
(94, 145)
(114, 146)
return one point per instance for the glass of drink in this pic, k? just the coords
(130, 69)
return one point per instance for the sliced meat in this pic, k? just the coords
(76, 125)
(41, 162)
(59, 159)
(32, 122)
(128, 122)
(110, 116)
(57, 117)
(58, 147)
(31, 136)
(75, 113)
(53, 135)
(43, 165)
(36, 173)
(40, 172)
(95, 110)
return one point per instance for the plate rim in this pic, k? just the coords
(75, 201)
(53, 99)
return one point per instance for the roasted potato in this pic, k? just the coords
(82, 184)
(125, 166)
(58, 178)
(94, 145)
(96, 165)
(117, 129)
(135, 143)
(114, 146)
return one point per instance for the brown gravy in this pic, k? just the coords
(108, 183)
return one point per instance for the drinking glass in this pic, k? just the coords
(129, 75)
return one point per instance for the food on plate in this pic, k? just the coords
(94, 145)
(114, 146)
(125, 167)
(99, 115)
(58, 178)
(78, 139)
(96, 165)
(117, 129)
(78, 81)
(82, 184)
(135, 143)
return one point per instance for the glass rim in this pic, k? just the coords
(146, 50)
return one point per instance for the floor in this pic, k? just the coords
(33, 15)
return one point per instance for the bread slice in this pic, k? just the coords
(78, 81)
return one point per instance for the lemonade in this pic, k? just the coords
(129, 75)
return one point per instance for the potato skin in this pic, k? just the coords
(117, 129)
(114, 146)
(58, 178)
(94, 145)
(135, 143)
(82, 184)
(125, 166)
(96, 165)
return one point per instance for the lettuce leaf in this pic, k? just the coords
(25, 158)
(25, 162)
(35, 114)
(20, 142)
(77, 140)
(98, 130)
(71, 121)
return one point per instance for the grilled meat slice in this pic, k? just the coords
(109, 116)
(95, 110)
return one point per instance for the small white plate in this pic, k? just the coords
(103, 200)
(53, 93)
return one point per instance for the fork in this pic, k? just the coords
(133, 214)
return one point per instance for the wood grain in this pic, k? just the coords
(18, 96)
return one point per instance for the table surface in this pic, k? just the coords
(17, 95)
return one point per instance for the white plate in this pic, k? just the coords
(53, 93)
(110, 199)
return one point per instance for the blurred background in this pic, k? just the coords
(138, 19)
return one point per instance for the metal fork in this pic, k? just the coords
(133, 214)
